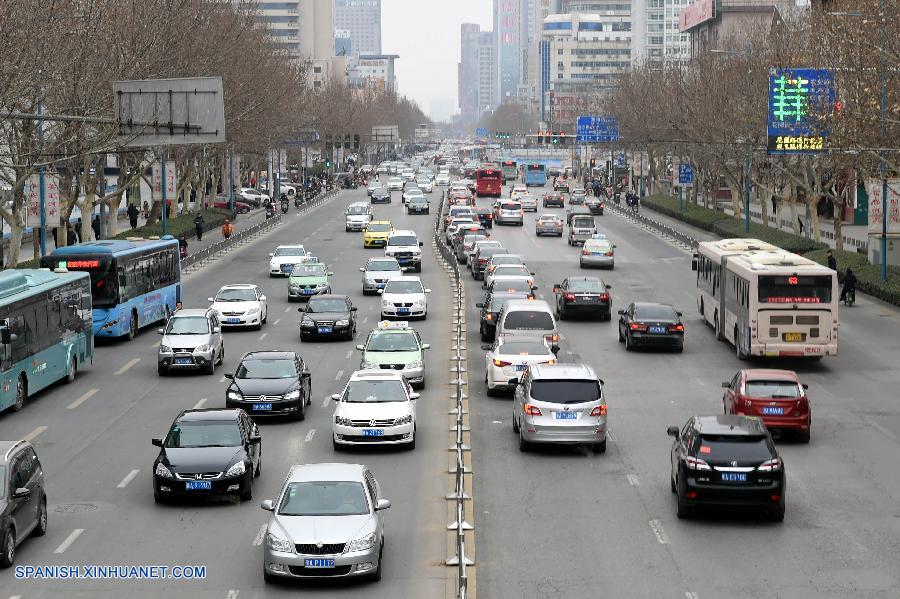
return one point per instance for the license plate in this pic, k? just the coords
(198, 485)
(521, 367)
(232, 321)
(372, 432)
(262, 407)
(308, 291)
(734, 477)
(657, 330)
(402, 311)
(184, 360)
(588, 299)
(380, 285)
(566, 415)
(795, 337)
(325, 329)
(286, 268)
(318, 563)
(773, 411)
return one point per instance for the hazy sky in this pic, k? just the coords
(425, 33)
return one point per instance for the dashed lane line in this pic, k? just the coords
(263, 336)
(633, 480)
(30, 436)
(276, 322)
(73, 536)
(657, 528)
(288, 309)
(690, 595)
(127, 365)
(260, 535)
(222, 379)
(86, 396)
(200, 403)
(128, 478)
(310, 435)
(339, 374)
(349, 354)
(232, 594)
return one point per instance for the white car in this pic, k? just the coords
(529, 202)
(503, 260)
(395, 184)
(456, 222)
(459, 187)
(509, 271)
(443, 179)
(412, 193)
(377, 272)
(404, 297)
(253, 196)
(518, 190)
(376, 406)
(508, 359)
(357, 217)
(425, 184)
(408, 174)
(241, 305)
(282, 260)
(403, 245)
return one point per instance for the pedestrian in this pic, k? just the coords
(133, 216)
(95, 225)
(182, 246)
(227, 229)
(78, 232)
(198, 226)
(145, 211)
(832, 262)
(774, 205)
(70, 234)
(800, 221)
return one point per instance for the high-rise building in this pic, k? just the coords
(373, 71)
(477, 81)
(723, 24)
(510, 27)
(656, 36)
(362, 18)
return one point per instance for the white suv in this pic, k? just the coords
(406, 248)
(376, 406)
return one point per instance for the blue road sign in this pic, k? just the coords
(481, 131)
(620, 160)
(302, 138)
(799, 101)
(685, 174)
(596, 129)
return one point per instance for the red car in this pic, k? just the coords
(777, 397)
(239, 207)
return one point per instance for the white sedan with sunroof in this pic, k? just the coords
(508, 359)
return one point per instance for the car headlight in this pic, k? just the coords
(295, 394)
(416, 253)
(385, 304)
(162, 471)
(253, 311)
(234, 394)
(201, 348)
(340, 420)
(237, 469)
(307, 323)
(342, 323)
(403, 420)
(165, 349)
(366, 365)
(361, 544)
(273, 265)
(278, 544)
(415, 364)
(419, 302)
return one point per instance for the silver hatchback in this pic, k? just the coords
(560, 403)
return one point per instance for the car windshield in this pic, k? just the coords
(528, 320)
(655, 313)
(404, 287)
(470, 239)
(418, 200)
(505, 259)
(308, 270)
(399, 341)
(511, 271)
(582, 286)
(236, 294)
(187, 325)
(299, 251)
(374, 391)
(565, 391)
(582, 221)
(327, 304)
(523, 348)
(597, 246)
(383, 265)
(326, 498)
(510, 206)
(357, 210)
(497, 301)
(208, 433)
(773, 389)
(547, 218)
(403, 240)
(733, 447)
(266, 368)
(378, 228)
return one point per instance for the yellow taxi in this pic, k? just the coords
(376, 233)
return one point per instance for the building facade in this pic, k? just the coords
(362, 18)
(723, 24)
(373, 71)
(477, 80)
(510, 27)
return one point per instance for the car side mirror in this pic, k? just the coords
(533, 287)
(382, 504)
(159, 331)
(414, 396)
(268, 505)
(335, 397)
(353, 308)
(21, 492)
(554, 349)
(360, 347)
(426, 346)
(805, 386)
(229, 375)
(486, 347)
(672, 431)
(217, 330)
(609, 286)
(361, 269)
(262, 298)
(679, 314)
(255, 440)
(330, 274)
(479, 305)
(726, 384)
(428, 291)
(210, 299)
(421, 244)
(556, 289)
(621, 312)
(614, 246)
(156, 442)
(271, 254)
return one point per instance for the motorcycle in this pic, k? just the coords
(270, 210)
(299, 199)
(284, 204)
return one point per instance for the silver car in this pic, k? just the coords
(192, 340)
(560, 403)
(598, 253)
(377, 272)
(328, 522)
(548, 224)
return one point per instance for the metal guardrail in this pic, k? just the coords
(654, 224)
(458, 495)
(242, 236)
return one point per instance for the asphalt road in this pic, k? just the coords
(93, 438)
(567, 523)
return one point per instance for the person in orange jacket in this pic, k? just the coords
(227, 229)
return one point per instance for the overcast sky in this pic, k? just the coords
(425, 33)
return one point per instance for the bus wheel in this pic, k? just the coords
(132, 328)
(70, 375)
(21, 394)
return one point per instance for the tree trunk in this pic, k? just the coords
(792, 203)
(838, 224)
(17, 230)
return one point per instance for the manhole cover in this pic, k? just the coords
(75, 508)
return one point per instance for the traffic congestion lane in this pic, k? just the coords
(651, 390)
(222, 535)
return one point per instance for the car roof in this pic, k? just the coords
(382, 259)
(639, 305)
(330, 296)
(238, 286)
(515, 305)
(271, 353)
(326, 472)
(523, 338)
(190, 312)
(406, 278)
(209, 414)
(376, 375)
(730, 424)
(7, 446)
(562, 371)
(403, 232)
(585, 278)
(771, 374)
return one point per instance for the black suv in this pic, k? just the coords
(332, 316)
(726, 460)
(270, 383)
(23, 501)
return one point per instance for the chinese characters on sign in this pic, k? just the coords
(32, 192)
(596, 129)
(798, 101)
(685, 174)
(876, 206)
(170, 181)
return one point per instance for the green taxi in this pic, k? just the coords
(396, 346)
(309, 277)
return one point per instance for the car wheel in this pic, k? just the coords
(599, 447)
(524, 446)
(301, 413)
(9, 548)
(412, 444)
(161, 370)
(258, 470)
(211, 367)
(132, 327)
(484, 336)
(335, 445)
(629, 344)
(776, 514)
(247, 493)
(41, 528)
(803, 436)
(515, 425)
(683, 510)
(679, 347)
(376, 575)
(672, 483)
(268, 578)
(222, 354)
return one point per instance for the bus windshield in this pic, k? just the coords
(104, 282)
(793, 289)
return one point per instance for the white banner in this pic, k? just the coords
(32, 193)
(170, 181)
(876, 205)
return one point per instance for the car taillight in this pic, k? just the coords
(772, 465)
(501, 363)
(599, 411)
(552, 338)
(551, 361)
(604, 297)
(489, 317)
(491, 269)
(636, 326)
(585, 252)
(676, 328)
(610, 253)
(532, 410)
(695, 463)
(569, 297)
(482, 261)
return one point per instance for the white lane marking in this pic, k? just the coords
(15, 597)
(73, 536)
(128, 478)
(633, 480)
(127, 365)
(276, 322)
(657, 528)
(496, 422)
(326, 402)
(222, 379)
(310, 435)
(339, 374)
(288, 309)
(349, 353)
(365, 319)
(260, 535)
(611, 435)
(200, 403)
(30, 436)
(263, 336)
(690, 595)
(233, 593)
(86, 396)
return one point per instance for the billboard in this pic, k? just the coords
(799, 99)
(694, 14)
(876, 206)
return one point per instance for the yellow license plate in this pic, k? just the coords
(794, 337)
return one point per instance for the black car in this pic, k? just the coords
(417, 205)
(481, 258)
(382, 195)
(485, 216)
(23, 499)
(726, 460)
(270, 383)
(463, 245)
(594, 205)
(650, 324)
(582, 295)
(328, 316)
(490, 310)
(208, 452)
(554, 200)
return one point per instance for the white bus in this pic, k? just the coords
(766, 301)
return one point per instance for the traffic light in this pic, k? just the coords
(555, 139)
(328, 163)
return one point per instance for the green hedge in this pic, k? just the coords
(868, 276)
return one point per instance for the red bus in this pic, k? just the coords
(488, 182)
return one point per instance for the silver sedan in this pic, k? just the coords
(548, 224)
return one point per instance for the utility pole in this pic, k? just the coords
(884, 141)
(42, 184)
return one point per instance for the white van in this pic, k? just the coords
(358, 216)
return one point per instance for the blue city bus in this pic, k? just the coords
(535, 174)
(133, 283)
(45, 324)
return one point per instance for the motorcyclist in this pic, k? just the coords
(849, 287)
(284, 203)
